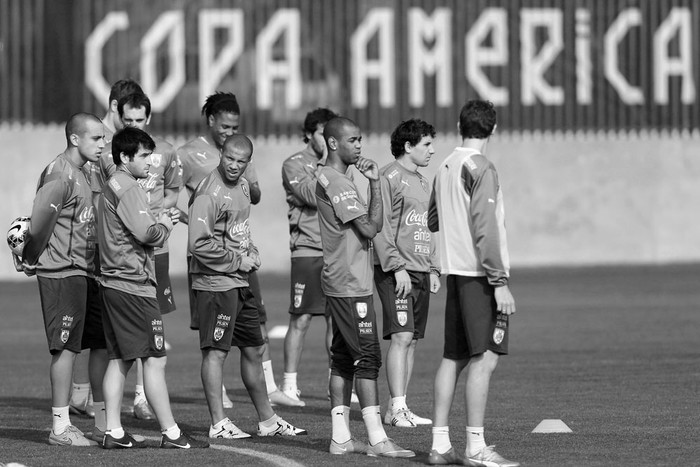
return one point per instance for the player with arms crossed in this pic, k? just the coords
(60, 250)
(466, 209)
(307, 299)
(199, 157)
(405, 266)
(347, 228)
(222, 256)
(128, 233)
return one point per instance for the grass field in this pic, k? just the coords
(613, 352)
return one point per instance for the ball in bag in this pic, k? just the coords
(17, 234)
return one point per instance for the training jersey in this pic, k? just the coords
(219, 233)
(466, 209)
(62, 233)
(165, 172)
(347, 259)
(405, 240)
(198, 158)
(128, 232)
(299, 181)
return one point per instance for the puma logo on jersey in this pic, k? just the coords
(353, 207)
(492, 201)
(405, 183)
(294, 181)
(311, 166)
(203, 155)
(142, 211)
(228, 197)
(203, 221)
(54, 206)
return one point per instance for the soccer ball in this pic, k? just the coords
(19, 228)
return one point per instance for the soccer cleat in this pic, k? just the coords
(185, 441)
(281, 428)
(293, 394)
(143, 411)
(97, 435)
(228, 403)
(71, 437)
(228, 431)
(451, 457)
(349, 446)
(125, 442)
(388, 448)
(280, 398)
(419, 420)
(488, 457)
(402, 419)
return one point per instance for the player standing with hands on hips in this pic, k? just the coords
(466, 209)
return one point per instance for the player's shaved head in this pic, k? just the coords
(78, 124)
(239, 142)
(337, 127)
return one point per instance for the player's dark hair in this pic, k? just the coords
(477, 119)
(76, 124)
(122, 88)
(220, 102)
(411, 131)
(239, 141)
(335, 127)
(315, 118)
(135, 101)
(128, 141)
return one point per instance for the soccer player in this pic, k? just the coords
(162, 186)
(60, 250)
(307, 299)
(347, 228)
(466, 209)
(223, 255)
(405, 264)
(129, 231)
(81, 401)
(199, 157)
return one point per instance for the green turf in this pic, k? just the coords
(613, 352)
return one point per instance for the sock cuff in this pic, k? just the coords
(475, 429)
(440, 429)
(371, 410)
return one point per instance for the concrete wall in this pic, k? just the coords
(569, 199)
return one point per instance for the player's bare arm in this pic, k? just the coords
(255, 193)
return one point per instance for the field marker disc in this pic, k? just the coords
(552, 426)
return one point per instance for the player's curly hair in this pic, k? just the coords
(477, 119)
(411, 131)
(314, 118)
(220, 102)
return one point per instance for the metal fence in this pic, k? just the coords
(549, 65)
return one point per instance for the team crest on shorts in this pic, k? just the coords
(158, 339)
(65, 334)
(498, 335)
(297, 300)
(361, 309)
(402, 316)
(218, 333)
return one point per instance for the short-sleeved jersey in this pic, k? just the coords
(466, 209)
(299, 181)
(219, 233)
(62, 231)
(198, 158)
(347, 256)
(128, 233)
(405, 240)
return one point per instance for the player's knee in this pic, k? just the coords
(301, 322)
(402, 339)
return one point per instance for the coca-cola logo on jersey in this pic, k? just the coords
(413, 218)
(239, 228)
(86, 215)
(150, 182)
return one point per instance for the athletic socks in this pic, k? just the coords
(79, 394)
(289, 382)
(475, 439)
(373, 422)
(139, 394)
(340, 419)
(61, 419)
(270, 422)
(117, 433)
(441, 439)
(173, 432)
(100, 416)
(269, 377)
(398, 403)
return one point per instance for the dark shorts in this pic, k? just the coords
(93, 330)
(228, 319)
(164, 290)
(254, 284)
(471, 319)
(133, 325)
(355, 348)
(194, 317)
(306, 296)
(63, 305)
(408, 314)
